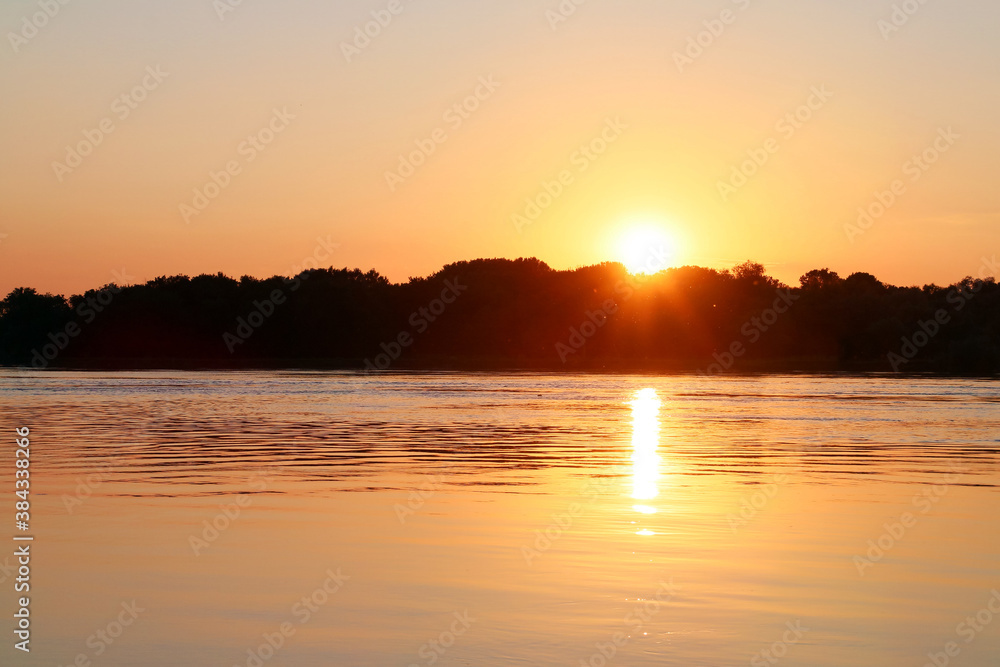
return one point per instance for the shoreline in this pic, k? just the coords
(500, 367)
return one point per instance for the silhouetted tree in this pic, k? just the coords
(819, 279)
(514, 313)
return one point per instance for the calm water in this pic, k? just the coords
(506, 520)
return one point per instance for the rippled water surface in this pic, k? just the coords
(440, 519)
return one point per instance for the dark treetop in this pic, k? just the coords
(498, 313)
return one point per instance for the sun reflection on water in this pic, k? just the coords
(645, 460)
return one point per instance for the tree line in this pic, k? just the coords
(509, 314)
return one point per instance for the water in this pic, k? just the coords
(505, 520)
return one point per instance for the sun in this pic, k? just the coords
(647, 249)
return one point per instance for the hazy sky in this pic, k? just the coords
(663, 133)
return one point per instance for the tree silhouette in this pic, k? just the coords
(499, 313)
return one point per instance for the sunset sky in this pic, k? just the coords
(664, 131)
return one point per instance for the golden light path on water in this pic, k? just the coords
(645, 459)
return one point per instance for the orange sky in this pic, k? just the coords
(665, 123)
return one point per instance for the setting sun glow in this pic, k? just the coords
(647, 249)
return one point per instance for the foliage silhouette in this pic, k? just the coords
(514, 314)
